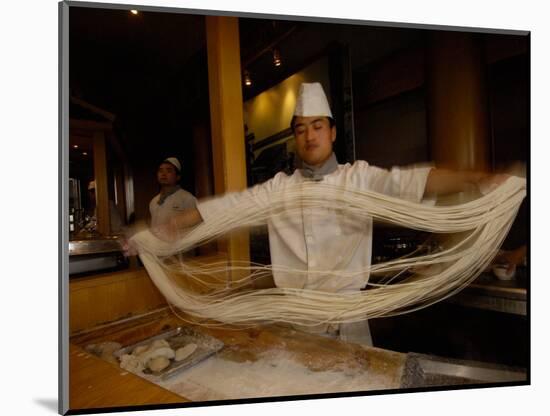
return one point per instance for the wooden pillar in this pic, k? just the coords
(101, 187)
(458, 117)
(120, 200)
(204, 183)
(226, 118)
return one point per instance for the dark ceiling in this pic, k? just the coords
(118, 51)
(143, 68)
(150, 69)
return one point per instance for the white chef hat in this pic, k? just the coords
(174, 161)
(312, 101)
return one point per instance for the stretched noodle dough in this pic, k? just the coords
(481, 226)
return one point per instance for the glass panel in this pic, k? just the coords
(81, 174)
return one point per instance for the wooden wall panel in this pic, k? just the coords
(109, 297)
(101, 187)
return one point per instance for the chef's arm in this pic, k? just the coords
(210, 208)
(187, 218)
(445, 181)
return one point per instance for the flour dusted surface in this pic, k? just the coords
(275, 373)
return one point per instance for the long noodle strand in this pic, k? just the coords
(483, 224)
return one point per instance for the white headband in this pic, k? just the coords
(174, 161)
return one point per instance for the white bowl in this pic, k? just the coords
(502, 272)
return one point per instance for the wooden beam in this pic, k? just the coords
(202, 156)
(90, 124)
(109, 116)
(226, 103)
(120, 191)
(226, 118)
(457, 107)
(458, 111)
(101, 187)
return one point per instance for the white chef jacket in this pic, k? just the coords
(173, 204)
(320, 240)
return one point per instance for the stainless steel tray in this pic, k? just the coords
(109, 244)
(176, 338)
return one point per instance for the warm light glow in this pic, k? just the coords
(85, 153)
(276, 57)
(75, 146)
(270, 112)
(247, 79)
(134, 12)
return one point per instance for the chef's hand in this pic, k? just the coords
(491, 181)
(511, 259)
(128, 249)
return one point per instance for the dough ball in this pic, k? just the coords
(184, 352)
(139, 349)
(159, 343)
(93, 349)
(151, 353)
(107, 349)
(104, 350)
(110, 358)
(131, 363)
(158, 364)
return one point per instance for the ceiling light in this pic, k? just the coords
(247, 79)
(75, 146)
(85, 153)
(276, 57)
(134, 12)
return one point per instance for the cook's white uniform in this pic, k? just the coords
(175, 203)
(319, 239)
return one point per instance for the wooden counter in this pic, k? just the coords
(124, 307)
(97, 383)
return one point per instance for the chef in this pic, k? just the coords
(319, 240)
(171, 199)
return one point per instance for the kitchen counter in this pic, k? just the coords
(422, 370)
(488, 292)
(246, 348)
(97, 245)
(280, 348)
(92, 255)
